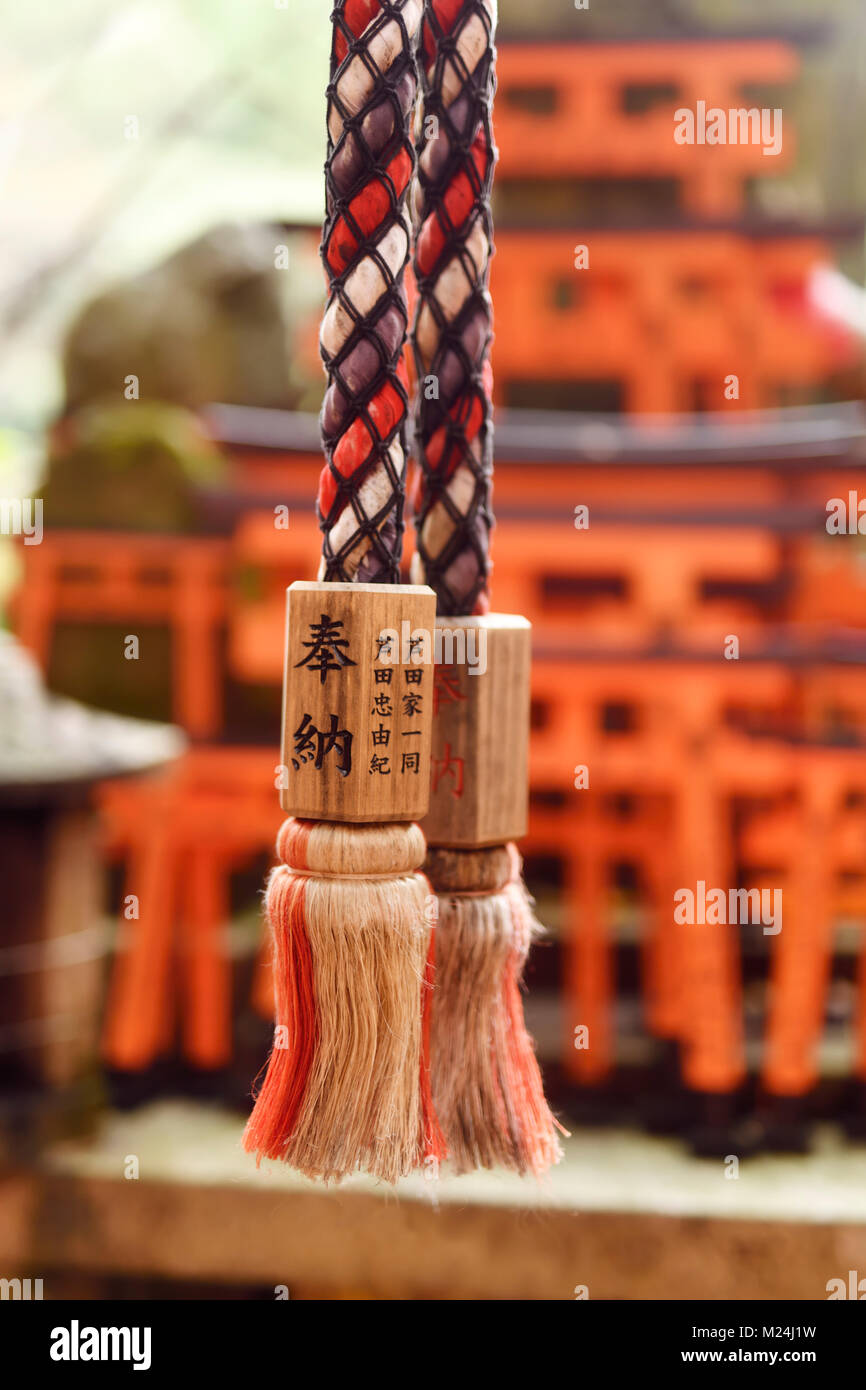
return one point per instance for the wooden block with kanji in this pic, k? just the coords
(357, 701)
(479, 782)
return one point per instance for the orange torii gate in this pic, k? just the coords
(568, 109)
(179, 836)
(668, 741)
(661, 318)
(816, 841)
(178, 581)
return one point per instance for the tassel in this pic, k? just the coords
(486, 1082)
(348, 1084)
(344, 1087)
(487, 1086)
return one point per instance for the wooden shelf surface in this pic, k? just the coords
(626, 1215)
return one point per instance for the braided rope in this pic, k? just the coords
(451, 334)
(365, 250)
